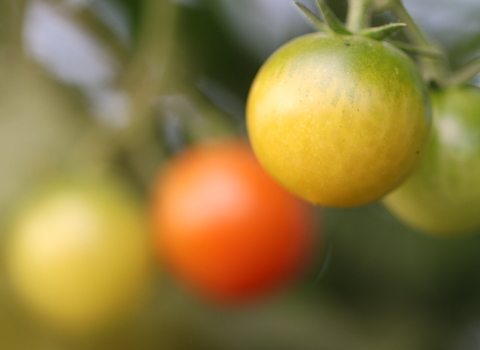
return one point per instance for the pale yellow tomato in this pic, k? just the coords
(77, 255)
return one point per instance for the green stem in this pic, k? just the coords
(101, 31)
(464, 74)
(359, 13)
(144, 79)
(433, 69)
(12, 14)
(412, 29)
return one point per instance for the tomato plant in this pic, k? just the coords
(339, 119)
(77, 256)
(443, 194)
(225, 227)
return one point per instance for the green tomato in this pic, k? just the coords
(338, 120)
(443, 194)
(77, 256)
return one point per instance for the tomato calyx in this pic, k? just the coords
(382, 32)
(331, 25)
(432, 64)
(358, 17)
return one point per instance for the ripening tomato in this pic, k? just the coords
(77, 256)
(443, 194)
(338, 120)
(225, 227)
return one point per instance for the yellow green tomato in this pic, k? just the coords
(339, 120)
(77, 256)
(443, 194)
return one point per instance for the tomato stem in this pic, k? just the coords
(414, 49)
(144, 79)
(464, 74)
(358, 16)
(92, 23)
(432, 68)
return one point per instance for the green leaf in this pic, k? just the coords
(415, 49)
(382, 32)
(332, 21)
(317, 22)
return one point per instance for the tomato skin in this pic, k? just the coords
(443, 195)
(77, 257)
(340, 121)
(225, 227)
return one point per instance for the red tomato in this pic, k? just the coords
(225, 227)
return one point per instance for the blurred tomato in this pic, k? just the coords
(226, 228)
(77, 255)
(443, 194)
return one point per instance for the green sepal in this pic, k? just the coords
(464, 74)
(416, 50)
(317, 22)
(382, 32)
(332, 21)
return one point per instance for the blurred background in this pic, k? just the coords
(119, 86)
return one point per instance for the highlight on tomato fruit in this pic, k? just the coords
(77, 256)
(227, 230)
(340, 120)
(443, 194)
